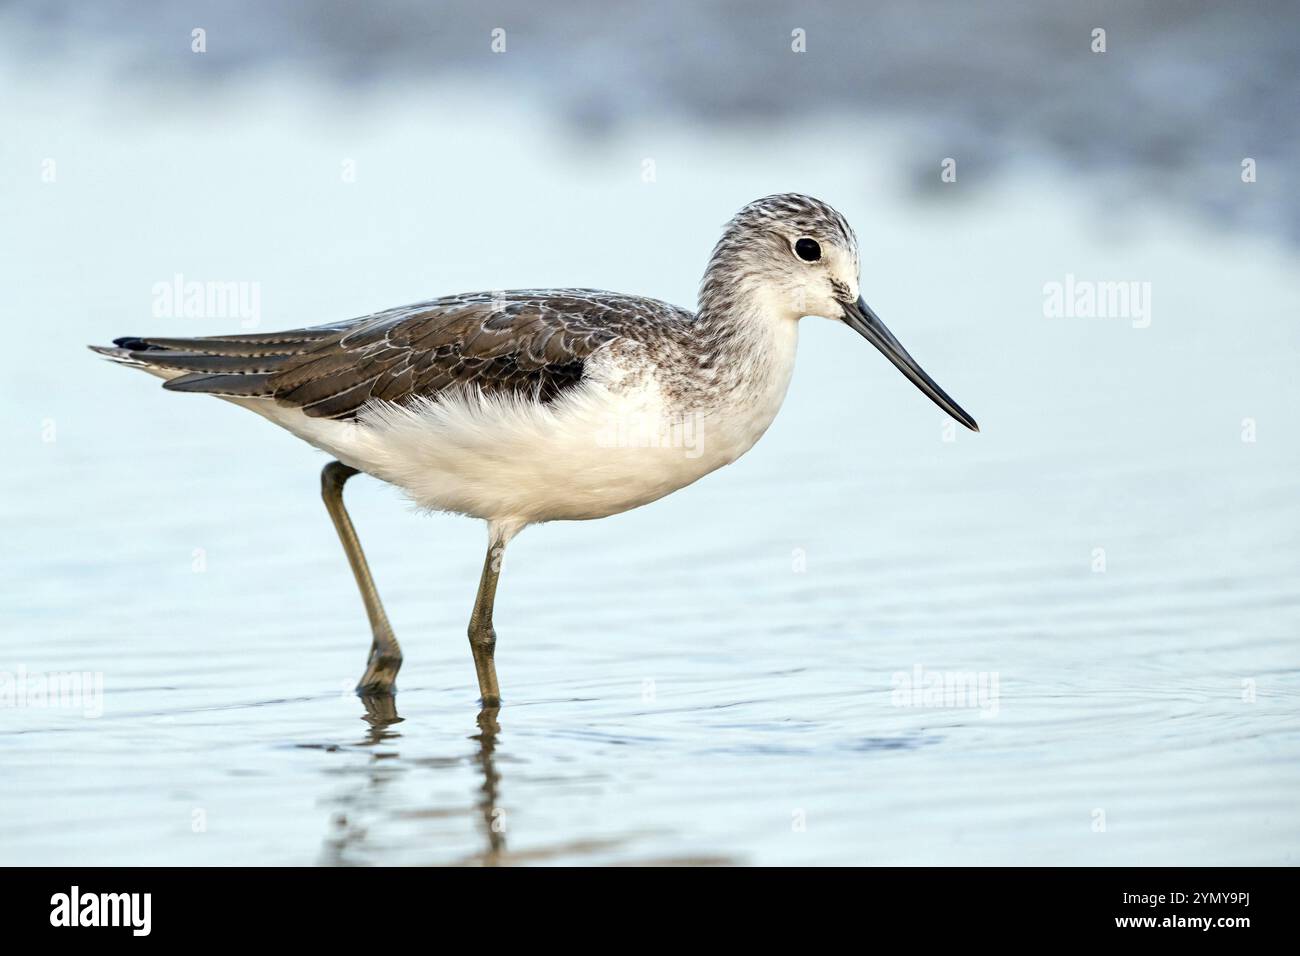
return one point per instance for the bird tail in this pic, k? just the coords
(122, 356)
(237, 366)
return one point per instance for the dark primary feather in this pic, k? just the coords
(529, 343)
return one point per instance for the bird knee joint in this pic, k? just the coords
(333, 477)
(483, 638)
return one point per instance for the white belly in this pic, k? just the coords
(612, 444)
(592, 453)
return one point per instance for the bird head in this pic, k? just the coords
(793, 256)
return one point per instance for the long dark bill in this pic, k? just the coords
(859, 317)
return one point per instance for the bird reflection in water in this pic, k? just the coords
(494, 818)
(349, 842)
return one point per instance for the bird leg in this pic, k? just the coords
(482, 638)
(385, 654)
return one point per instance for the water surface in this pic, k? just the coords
(713, 678)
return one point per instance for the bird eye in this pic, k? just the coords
(808, 250)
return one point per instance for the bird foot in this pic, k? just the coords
(380, 676)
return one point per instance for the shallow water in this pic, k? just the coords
(714, 678)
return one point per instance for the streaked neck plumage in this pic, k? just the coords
(744, 323)
(743, 341)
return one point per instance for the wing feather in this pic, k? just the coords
(533, 344)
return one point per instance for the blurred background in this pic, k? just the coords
(715, 678)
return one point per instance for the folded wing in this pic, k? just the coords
(529, 344)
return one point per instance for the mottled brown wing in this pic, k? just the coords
(532, 347)
(531, 344)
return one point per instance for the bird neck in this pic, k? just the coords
(740, 311)
(745, 342)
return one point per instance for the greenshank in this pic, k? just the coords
(529, 406)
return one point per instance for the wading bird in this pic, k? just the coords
(514, 407)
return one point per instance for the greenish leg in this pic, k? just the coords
(482, 638)
(385, 654)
